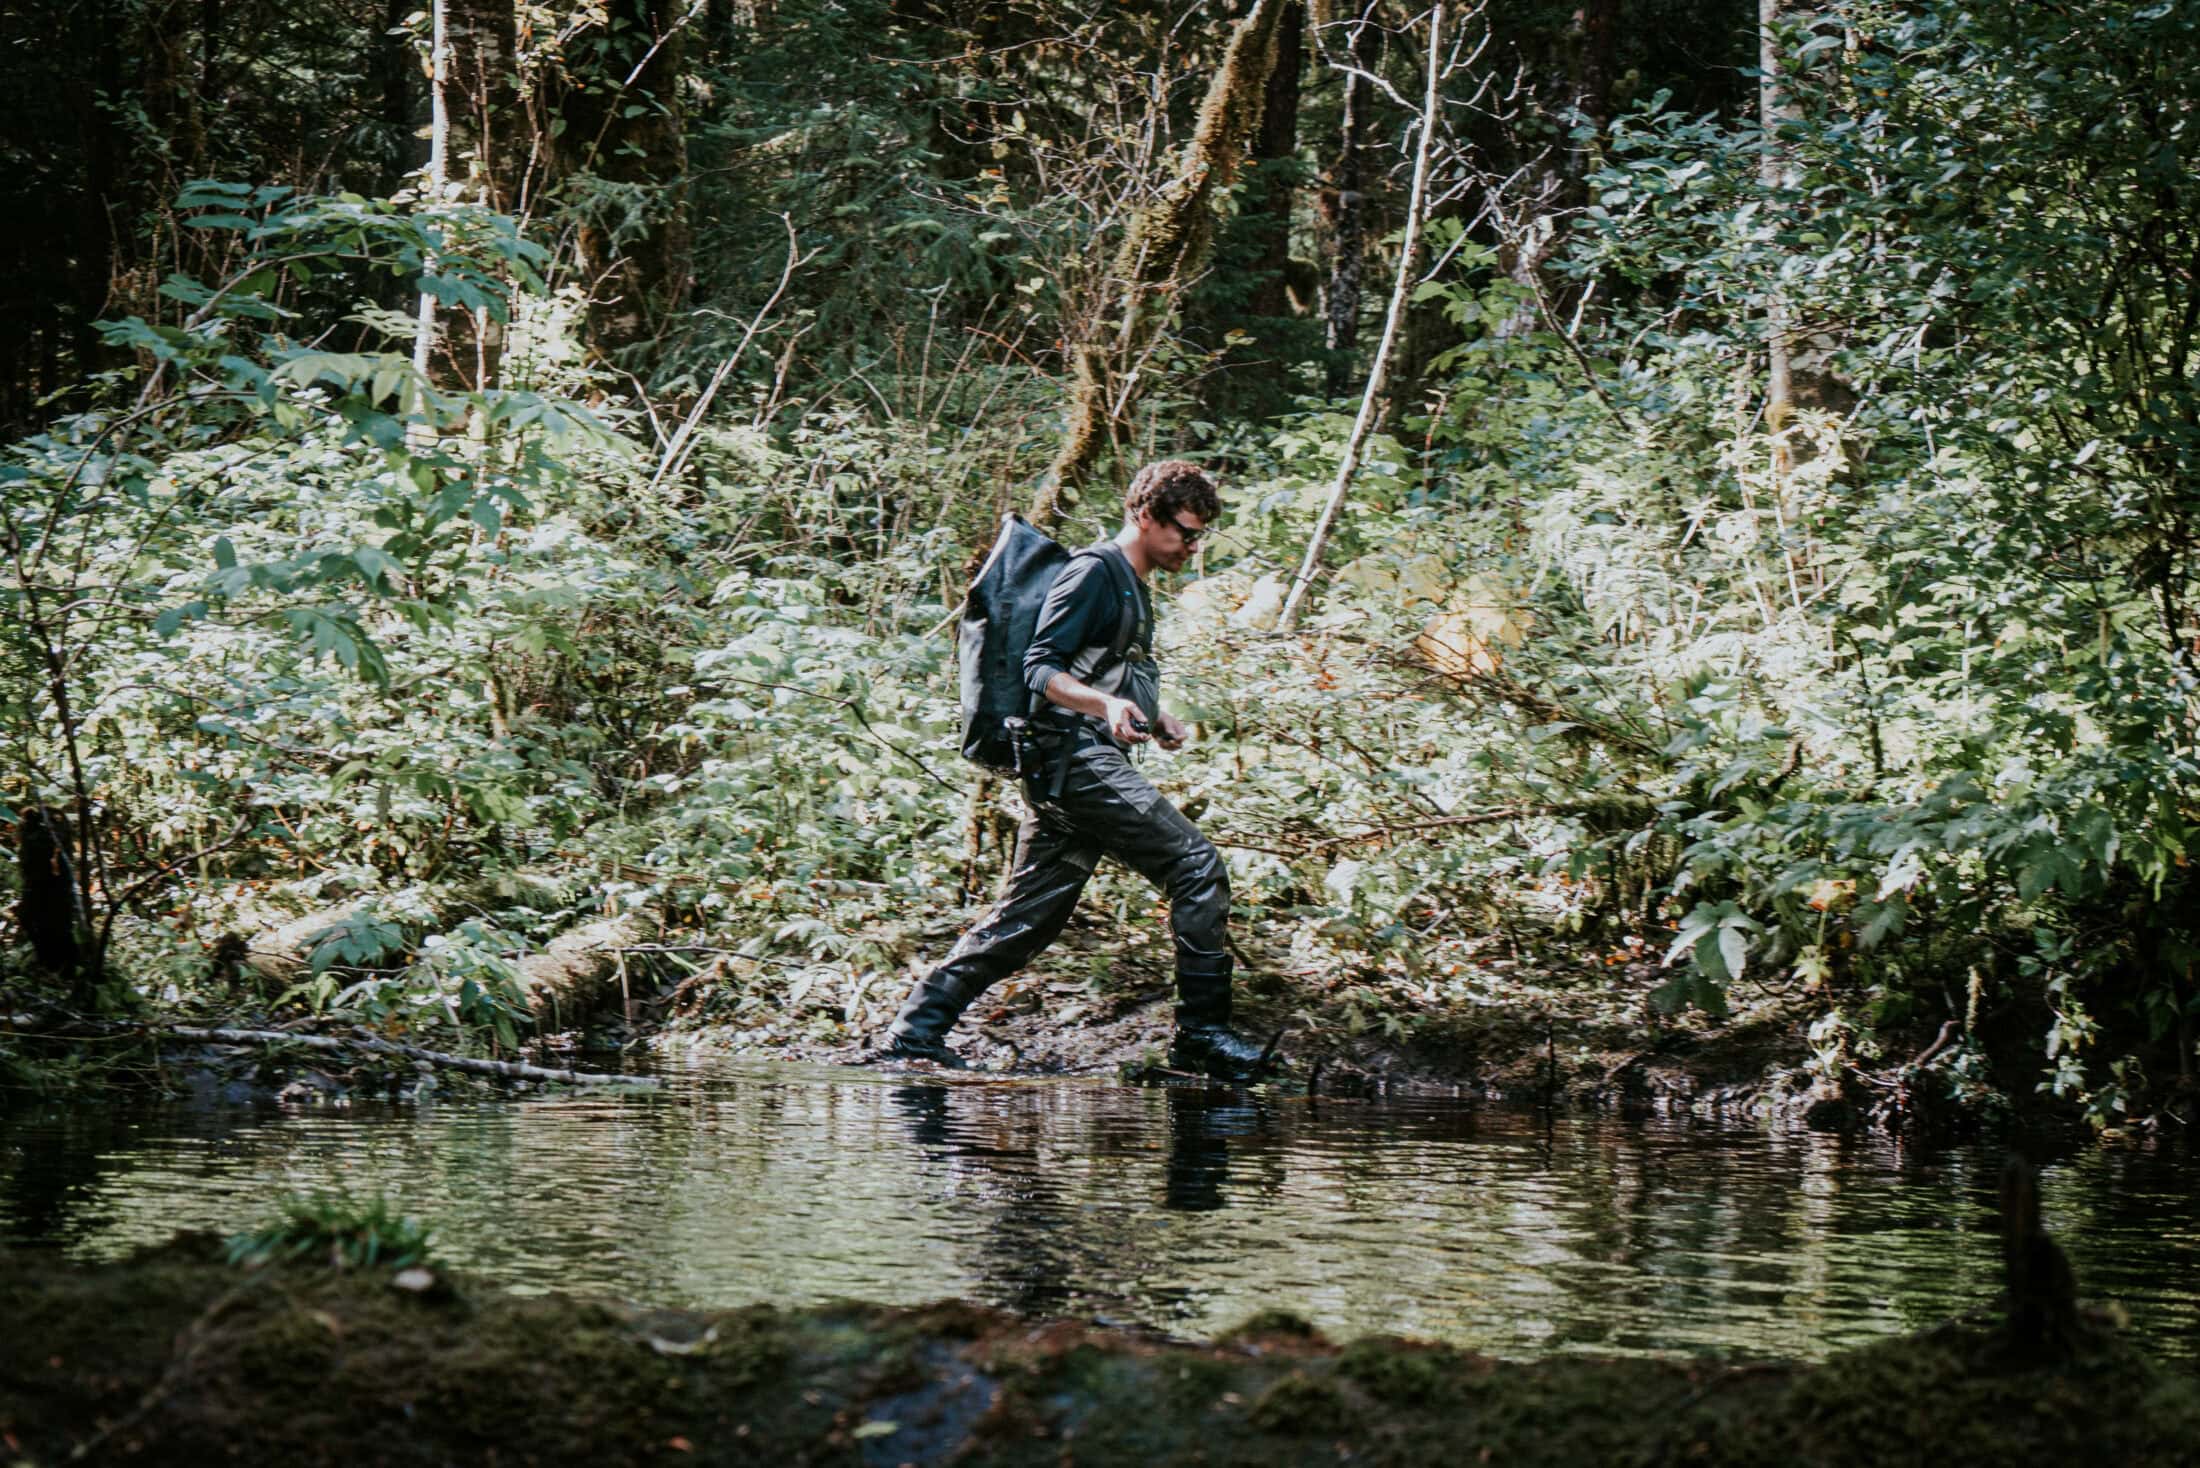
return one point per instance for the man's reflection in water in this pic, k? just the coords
(924, 1108)
(1014, 1179)
(982, 1152)
(1201, 1123)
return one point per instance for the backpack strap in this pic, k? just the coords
(1126, 587)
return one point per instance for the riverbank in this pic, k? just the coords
(1521, 1018)
(1555, 1028)
(174, 1356)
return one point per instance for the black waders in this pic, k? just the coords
(1090, 804)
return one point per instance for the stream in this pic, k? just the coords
(1184, 1210)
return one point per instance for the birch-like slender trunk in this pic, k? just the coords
(1408, 252)
(1348, 221)
(434, 179)
(1779, 372)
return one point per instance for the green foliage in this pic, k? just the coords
(1885, 709)
(349, 1234)
(244, 514)
(1924, 703)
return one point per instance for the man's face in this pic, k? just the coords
(1171, 538)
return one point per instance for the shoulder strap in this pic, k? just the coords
(1126, 586)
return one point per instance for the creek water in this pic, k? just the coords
(1184, 1210)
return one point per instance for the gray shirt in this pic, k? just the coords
(1076, 632)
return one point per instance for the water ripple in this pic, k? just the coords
(1183, 1210)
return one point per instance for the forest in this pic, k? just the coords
(1708, 565)
(1694, 683)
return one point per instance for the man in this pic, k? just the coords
(1086, 801)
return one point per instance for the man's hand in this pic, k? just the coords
(1171, 731)
(1125, 722)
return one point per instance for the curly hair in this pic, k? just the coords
(1172, 485)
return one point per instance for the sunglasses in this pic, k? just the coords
(1191, 536)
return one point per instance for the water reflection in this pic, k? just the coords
(1182, 1209)
(1200, 1129)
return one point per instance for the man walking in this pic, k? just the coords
(1085, 801)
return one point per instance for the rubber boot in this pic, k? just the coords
(1205, 1044)
(919, 1032)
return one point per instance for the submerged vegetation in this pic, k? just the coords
(1765, 593)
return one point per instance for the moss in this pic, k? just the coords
(1197, 1382)
(308, 1365)
(1401, 1371)
(1302, 1403)
(1267, 1325)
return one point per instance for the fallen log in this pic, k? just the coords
(282, 952)
(581, 969)
(513, 1070)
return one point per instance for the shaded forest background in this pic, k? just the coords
(485, 483)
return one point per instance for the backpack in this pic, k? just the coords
(999, 616)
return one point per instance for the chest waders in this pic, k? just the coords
(1085, 801)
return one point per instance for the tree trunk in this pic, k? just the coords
(624, 131)
(1348, 212)
(1798, 362)
(96, 244)
(1408, 251)
(482, 161)
(1779, 376)
(432, 184)
(1595, 37)
(1165, 246)
(170, 86)
(1275, 167)
(392, 68)
(1575, 63)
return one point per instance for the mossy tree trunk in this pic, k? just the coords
(1164, 248)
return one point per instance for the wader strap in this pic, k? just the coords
(1061, 765)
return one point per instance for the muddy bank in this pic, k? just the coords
(176, 1357)
(1559, 1026)
(1539, 1035)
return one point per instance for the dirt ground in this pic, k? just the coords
(1101, 1002)
(176, 1357)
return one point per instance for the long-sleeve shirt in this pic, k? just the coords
(1077, 628)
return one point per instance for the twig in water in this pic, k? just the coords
(515, 1070)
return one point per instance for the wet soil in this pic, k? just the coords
(1537, 1031)
(173, 1356)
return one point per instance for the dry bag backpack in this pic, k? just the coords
(1000, 614)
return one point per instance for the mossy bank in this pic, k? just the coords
(173, 1356)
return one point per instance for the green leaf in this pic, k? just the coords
(1710, 956)
(1733, 950)
(1885, 918)
(377, 567)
